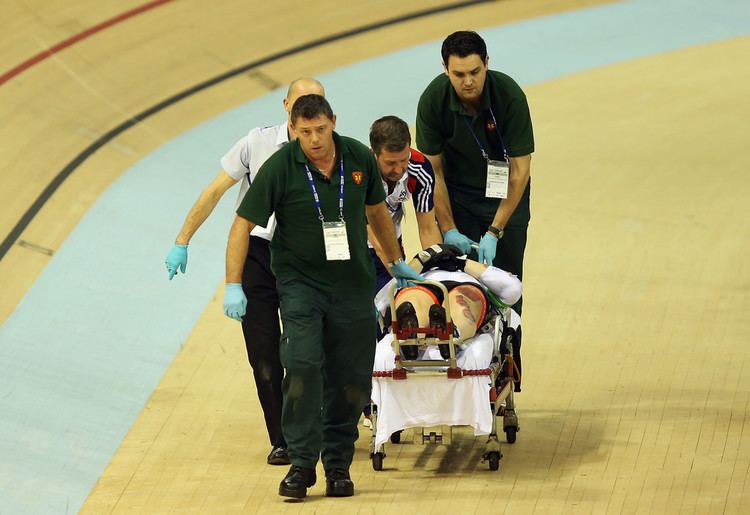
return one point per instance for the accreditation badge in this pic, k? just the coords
(336, 242)
(498, 173)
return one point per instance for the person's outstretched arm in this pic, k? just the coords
(204, 206)
(429, 233)
(201, 210)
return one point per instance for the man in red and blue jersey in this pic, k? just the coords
(406, 173)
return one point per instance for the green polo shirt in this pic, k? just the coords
(442, 127)
(297, 247)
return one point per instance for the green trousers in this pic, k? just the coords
(327, 349)
(473, 213)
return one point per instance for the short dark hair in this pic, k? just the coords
(463, 43)
(311, 106)
(389, 133)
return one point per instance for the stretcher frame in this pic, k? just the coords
(502, 371)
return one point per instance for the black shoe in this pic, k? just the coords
(406, 317)
(437, 321)
(278, 456)
(437, 316)
(338, 483)
(296, 482)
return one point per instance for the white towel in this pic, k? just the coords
(429, 400)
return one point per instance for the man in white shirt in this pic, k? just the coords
(260, 325)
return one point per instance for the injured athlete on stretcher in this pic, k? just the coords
(430, 400)
(470, 285)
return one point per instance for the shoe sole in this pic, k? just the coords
(437, 317)
(296, 494)
(339, 488)
(438, 321)
(339, 494)
(406, 317)
(279, 461)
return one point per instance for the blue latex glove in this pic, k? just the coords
(455, 238)
(403, 273)
(487, 249)
(176, 260)
(235, 301)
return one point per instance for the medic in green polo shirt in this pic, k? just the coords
(474, 126)
(325, 189)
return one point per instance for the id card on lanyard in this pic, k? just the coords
(498, 172)
(334, 233)
(337, 244)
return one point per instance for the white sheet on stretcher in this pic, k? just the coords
(430, 400)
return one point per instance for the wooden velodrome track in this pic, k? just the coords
(636, 322)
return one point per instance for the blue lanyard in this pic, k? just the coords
(341, 191)
(497, 129)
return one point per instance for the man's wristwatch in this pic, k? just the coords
(497, 233)
(396, 262)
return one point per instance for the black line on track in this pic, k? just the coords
(45, 195)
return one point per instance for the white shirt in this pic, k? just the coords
(245, 158)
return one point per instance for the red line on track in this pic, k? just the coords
(78, 37)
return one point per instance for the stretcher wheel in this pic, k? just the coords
(494, 459)
(377, 461)
(396, 437)
(510, 434)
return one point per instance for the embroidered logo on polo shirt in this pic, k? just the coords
(357, 176)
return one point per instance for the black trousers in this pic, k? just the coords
(262, 332)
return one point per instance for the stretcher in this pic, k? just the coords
(472, 387)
